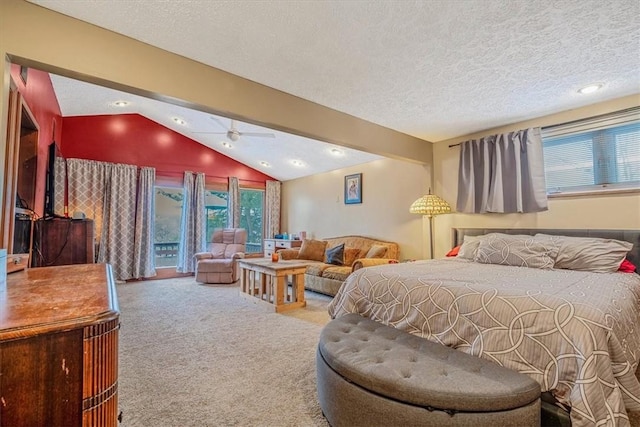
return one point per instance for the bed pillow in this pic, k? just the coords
(312, 250)
(335, 255)
(591, 254)
(518, 250)
(469, 247)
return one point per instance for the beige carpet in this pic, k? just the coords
(195, 355)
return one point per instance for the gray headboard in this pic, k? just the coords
(632, 236)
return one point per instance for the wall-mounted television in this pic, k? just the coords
(50, 184)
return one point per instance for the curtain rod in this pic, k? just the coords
(174, 173)
(571, 122)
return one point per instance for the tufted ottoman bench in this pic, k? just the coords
(370, 374)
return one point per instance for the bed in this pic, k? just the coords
(576, 332)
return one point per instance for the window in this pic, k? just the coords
(593, 154)
(215, 210)
(168, 214)
(167, 225)
(251, 218)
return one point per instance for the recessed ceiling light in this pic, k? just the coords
(227, 144)
(297, 163)
(337, 152)
(179, 121)
(120, 103)
(591, 88)
(265, 164)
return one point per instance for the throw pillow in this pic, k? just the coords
(627, 266)
(376, 251)
(312, 250)
(453, 252)
(350, 255)
(335, 255)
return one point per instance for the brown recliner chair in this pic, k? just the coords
(219, 264)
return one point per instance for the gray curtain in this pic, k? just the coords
(60, 186)
(502, 173)
(87, 180)
(272, 209)
(233, 220)
(122, 208)
(117, 242)
(144, 263)
(193, 225)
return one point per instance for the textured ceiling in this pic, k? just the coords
(433, 69)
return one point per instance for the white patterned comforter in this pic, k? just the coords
(576, 333)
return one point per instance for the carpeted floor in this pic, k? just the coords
(195, 355)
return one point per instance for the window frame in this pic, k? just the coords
(619, 119)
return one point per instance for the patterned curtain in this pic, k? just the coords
(272, 209)
(193, 225)
(59, 185)
(144, 263)
(233, 220)
(117, 242)
(502, 173)
(86, 188)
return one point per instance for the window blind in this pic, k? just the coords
(600, 152)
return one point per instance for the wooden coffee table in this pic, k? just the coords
(265, 282)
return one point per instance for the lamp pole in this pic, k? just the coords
(431, 234)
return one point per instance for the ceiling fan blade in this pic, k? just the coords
(218, 121)
(212, 133)
(258, 134)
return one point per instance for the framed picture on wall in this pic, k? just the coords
(353, 189)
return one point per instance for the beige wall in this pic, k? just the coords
(590, 212)
(316, 205)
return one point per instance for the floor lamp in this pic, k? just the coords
(430, 205)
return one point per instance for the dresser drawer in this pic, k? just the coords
(269, 244)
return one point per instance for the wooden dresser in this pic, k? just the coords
(63, 241)
(59, 347)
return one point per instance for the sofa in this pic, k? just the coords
(332, 259)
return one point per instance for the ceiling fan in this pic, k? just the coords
(234, 134)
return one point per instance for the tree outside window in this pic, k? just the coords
(168, 210)
(216, 210)
(252, 217)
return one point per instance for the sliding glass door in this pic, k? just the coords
(252, 218)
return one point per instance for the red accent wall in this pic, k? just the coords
(39, 96)
(136, 140)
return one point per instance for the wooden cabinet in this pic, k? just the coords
(59, 347)
(63, 241)
(19, 170)
(273, 245)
